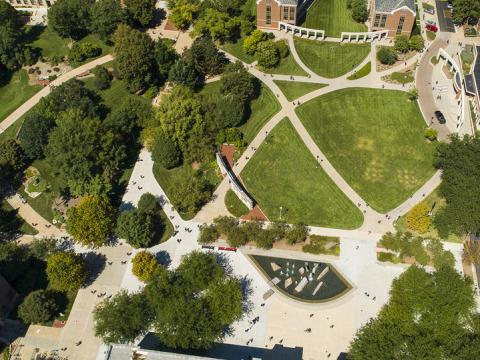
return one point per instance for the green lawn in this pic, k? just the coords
(375, 139)
(329, 59)
(51, 44)
(284, 173)
(261, 110)
(437, 202)
(168, 179)
(331, 16)
(15, 93)
(295, 89)
(236, 49)
(112, 96)
(234, 205)
(402, 77)
(286, 66)
(364, 71)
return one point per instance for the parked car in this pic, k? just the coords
(441, 119)
(430, 22)
(430, 11)
(432, 28)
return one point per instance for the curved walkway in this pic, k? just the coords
(27, 105)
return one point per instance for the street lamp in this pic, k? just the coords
(281, 207)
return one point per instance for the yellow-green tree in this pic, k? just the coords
(144, 265)
(91, 221)
(418, 219)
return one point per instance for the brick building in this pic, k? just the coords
(271, 12)
(396, 16)
(31, 3)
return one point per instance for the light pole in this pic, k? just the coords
(281, 207)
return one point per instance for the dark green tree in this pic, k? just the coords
(190, 195)
(43, 248)
(142, 12)
(102, 78)
(38, 307)
(33, 135)
(359, 10)
(205, 57)
(134, 55)
(428, 316)
(237, 81)
(148, 204)
(459, 161)
(466, 11)
(165, 152)
(122, 318)
(267, 54)
(183, 72)
(137, 228)
(105, 16)
(165, 56)
(70, 18)
(11, 32)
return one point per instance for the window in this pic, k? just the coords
(400, 25)
(269, 14)
(384, 20)
(377, 20)
(292, 13)
(285, 13)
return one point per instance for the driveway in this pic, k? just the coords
(446, 24)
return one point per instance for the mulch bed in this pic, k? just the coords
(227, 152)
(170, 26)
(255, 214)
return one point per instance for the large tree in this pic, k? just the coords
(205, 56)
(137, 228)
(11, 32)
(218, 25)
(66, 271)
(105, 16)
(166, 152)
(38, 307)
(194, 304)
(34, 134)
(141, 12)
(237, 81)
(428, 316)
(122, 318)
(85, 154)
(70, 18)
(459, 161)
(466, 11)
(91, 221)
(134, 56)
(12, 163)
(165, 57)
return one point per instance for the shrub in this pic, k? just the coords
(144, 265)
(251, 42)
(208, 234)
(386, 56)
(318, 245)
(136, 228)
(297, 233)
(166, 152)
(418, 219)
(401, 44)
(83, 51)
(265, 239)
(413, 94)
(102, 78)
(416, 43)
(148, 204)
(382, 256)
(225, 223)
(38, 307)
(237, 236)
(267, 54)
(359, 10)
(431, 134)
(283, 48)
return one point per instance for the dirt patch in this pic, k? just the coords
(169, 25)
(365, 143)
(255, 214)
(374, 171)
(407, 178)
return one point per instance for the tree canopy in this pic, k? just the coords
(141, 11)
(466, 11)
(428, 316)
(38, 307)
(66, 271)
(459, 161)
(11, 32)
(91, 221)
(70, 18)
(105, 16)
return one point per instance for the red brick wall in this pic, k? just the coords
(392, 22)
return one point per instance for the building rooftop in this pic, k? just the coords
(289, 2)
(392, 5)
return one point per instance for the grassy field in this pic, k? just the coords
(293, 89)
(402, 77)
(15, 93)
(375, 139)
(331, 16)
(261, 109)
(286, 66)
(283, 173)
(364, 71)
(113, 95)
(437, 202)
(329, 59)
(234, 205)
(168, 179)
(51, 44)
